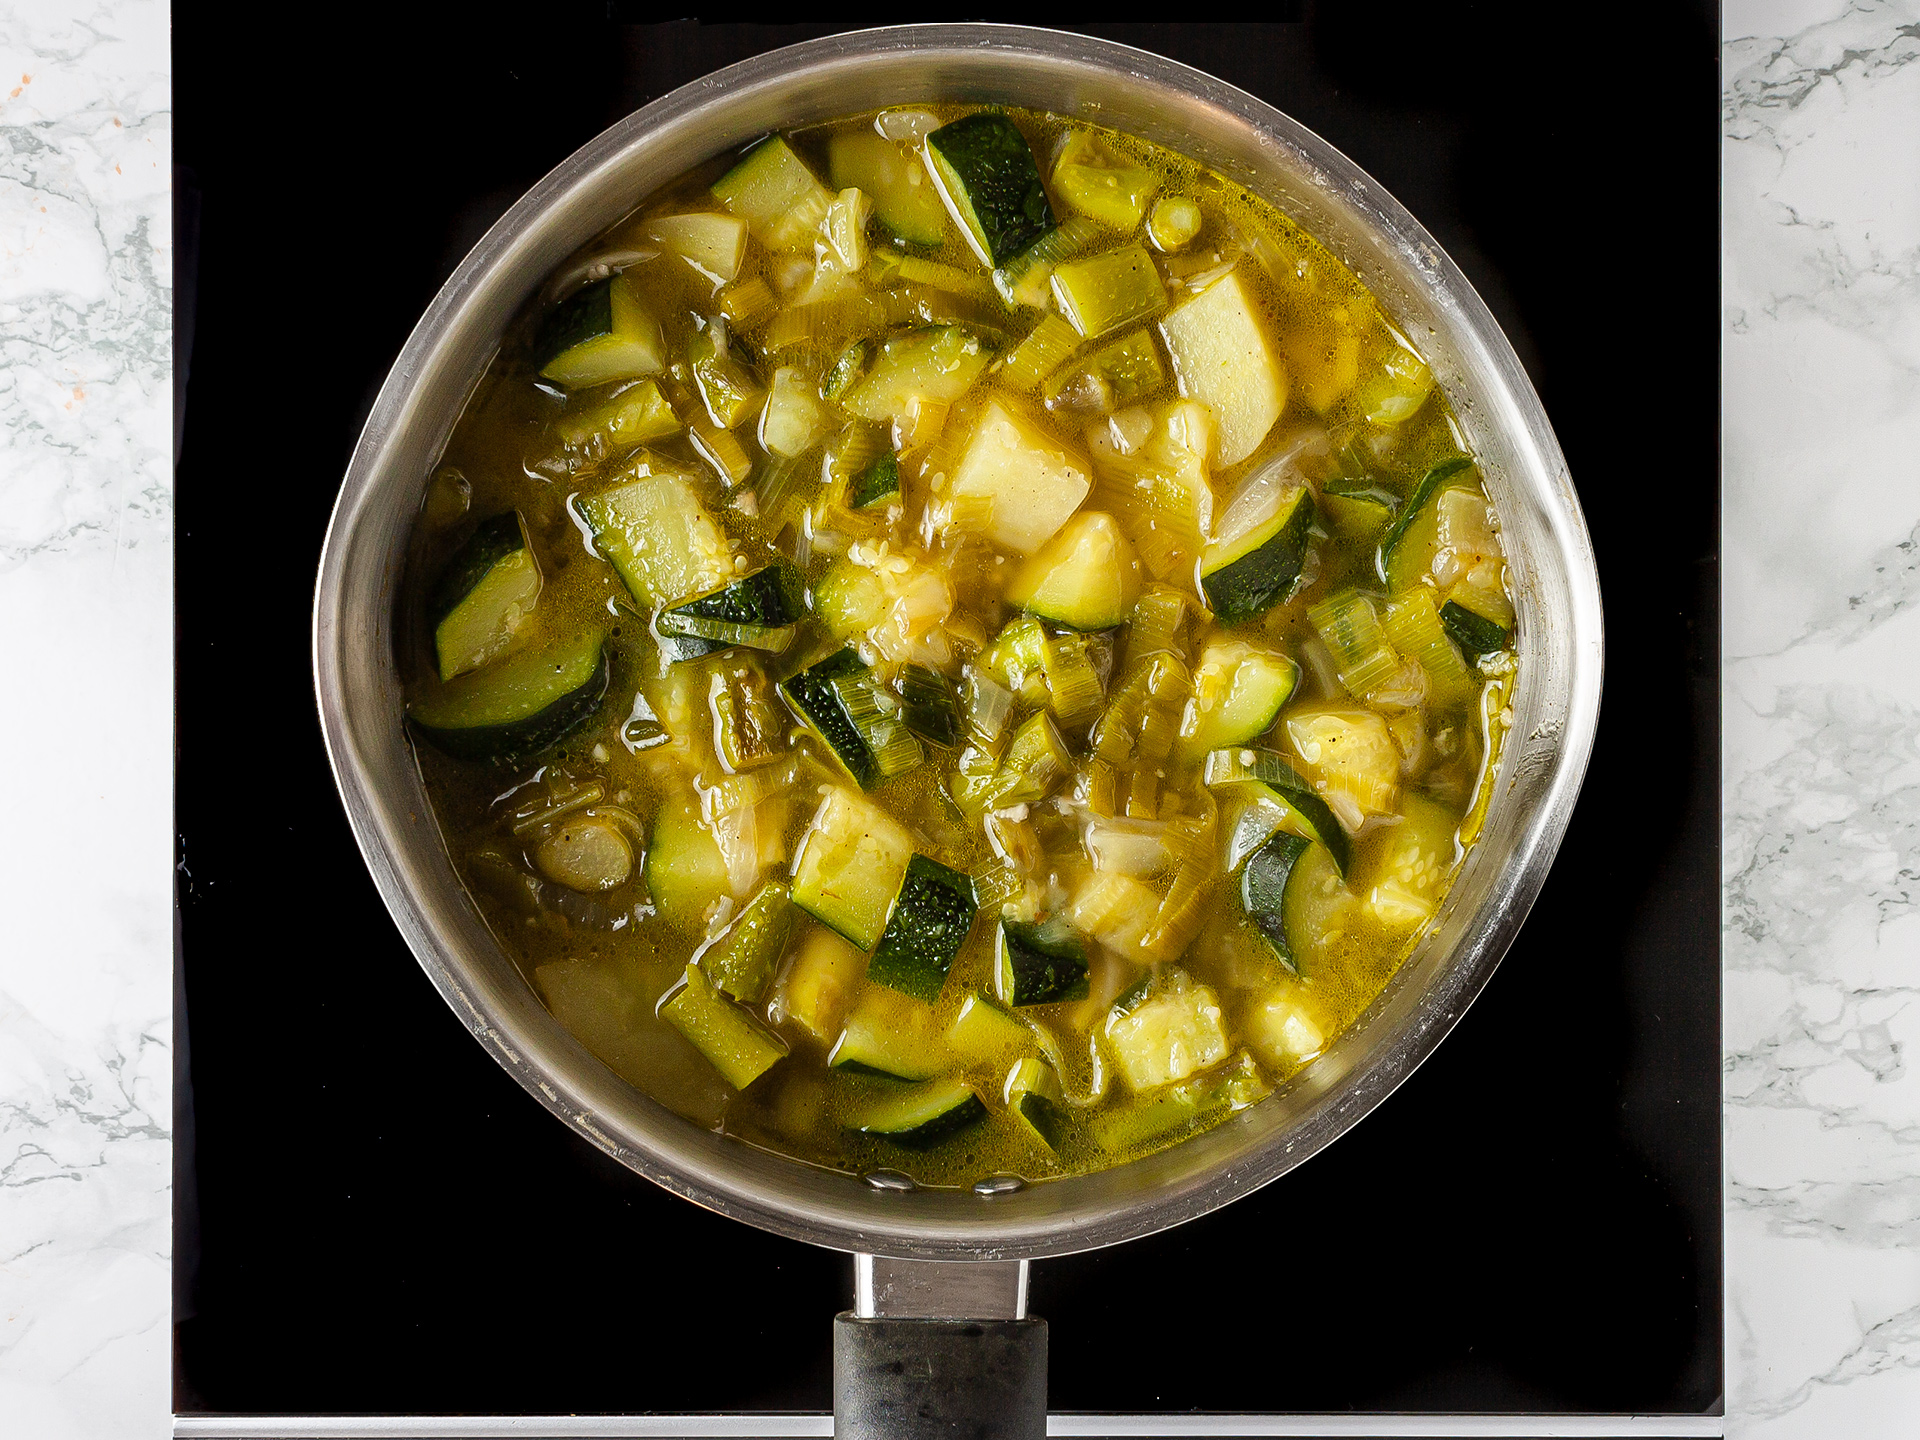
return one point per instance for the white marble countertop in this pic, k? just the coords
(1821, 327)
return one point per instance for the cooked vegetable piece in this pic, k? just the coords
(658, 535)
(990, 184)
(849, 599)
(1086, 576)
(878, 484)
(984, 1032)
(1035, 1100)
(819, 987)
(686, 873)
(729, 390)
(848, 369)
(850, 865)
(759, 610)
(1283, 1030)
(1093, 177)
(772, 189)
(740, 1047)
(1113, 377)
(1404, 885)
(1350, 759)
(601, 333)
(1175, 222)
(1175, 1030)
(922, 1117)
(519, 705)
(1406, 550)
(1350, 627)
(928, 924)
(1036, 758)
(1194, 1104)
(1023, 280)
(1039, 964)
(1238, 693)
(484, 596)
(937, 365)
(893, 1035)
(1026, 482)
(716, 243)
(632, 416)
(822, 706)
(742, 961)
(1473, 630)
(1295, 805)
(1357, 509)
(1108, 292)
(1222, 356)
(585, 852)
(1264, 881)
(903, 196)
(793, 419)
(1414, 628)
(927, 705)
(1247, 576)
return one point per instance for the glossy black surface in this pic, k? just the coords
(385, 1222)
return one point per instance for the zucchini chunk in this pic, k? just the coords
(839, 700)
(519, 705)
(849, 599)
(484, 596)
(878, 484)
(1357, 510)
(851, 862)
(1094, 178)
(1086, 576)
(1026, 482)
(658, 536)
(819, 987)
(928, 706)
(923, 1116)
(1406, 550)
(903, 197)
(891, 1035)
(1272, 778)
(991, 185)
(1264, 882)
(742, 961)
(686, 872)
(935, 365)
(984, 1032)
(1110, 291)
(1039, 964)
(759, 610)
(634, 415)
(1283, 1031)
(772, 189)
(715, 243)
(739, 1046)
(1350, 758)
(728, 389)
(928, 924)
(1110, 379)
(598, 335)
(1191, 1105)
(1410, 872)
(1475, 631)
(1221, 355)
(1247, 576)
(1034, 1098)
(1238, 693)
(1176, 1030)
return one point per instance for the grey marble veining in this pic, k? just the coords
(1821, 326)
(85, 580)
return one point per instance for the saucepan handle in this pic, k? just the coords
(939, 1349)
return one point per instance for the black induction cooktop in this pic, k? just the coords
(372, 1217)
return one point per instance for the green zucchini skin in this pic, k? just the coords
(929, 923)
(928, 706)
(961, 1110)
(1476, 635)
(994, 167)
(490, 543)
(1238, 764)
(757, 610)
(524, 735)
(585, 315)
(1040, 964)
(813, 699)
(1423, 493)
(1263, 887)
(1245, 589)
(876, 484)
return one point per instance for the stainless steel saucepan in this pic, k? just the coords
(941, 1274)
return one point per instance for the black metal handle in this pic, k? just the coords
(939, 1379)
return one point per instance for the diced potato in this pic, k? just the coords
(1464, 528)
(1282, 1031)
(1410, 873)
(1350, 757)
(715, 243)
(1168, 1036)
(819, 987)
(1025, 482)
(1115, 909)
(1222, 357)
